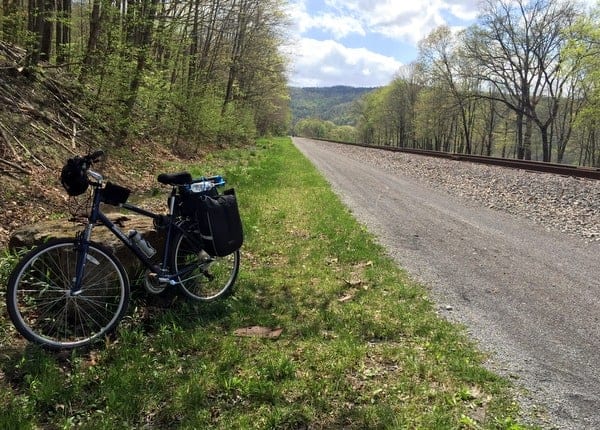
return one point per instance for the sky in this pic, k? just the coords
(364, 43)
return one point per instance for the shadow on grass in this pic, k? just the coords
(146, 314)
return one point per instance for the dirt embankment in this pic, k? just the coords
(42, 123)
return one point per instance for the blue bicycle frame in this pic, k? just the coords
(97, 215)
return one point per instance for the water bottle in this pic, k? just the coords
(140, 243)
(199, 187)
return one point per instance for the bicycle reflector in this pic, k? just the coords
(73, 176)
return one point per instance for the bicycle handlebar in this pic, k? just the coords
(94, 157)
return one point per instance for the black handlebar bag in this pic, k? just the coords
(220, 223)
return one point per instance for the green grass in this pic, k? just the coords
(361, 346)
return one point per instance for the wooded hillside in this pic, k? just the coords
(335, 104)
(185, 72)
(327, 112)
(144, 79)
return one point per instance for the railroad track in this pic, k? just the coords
(535, 166)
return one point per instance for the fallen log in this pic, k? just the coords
(15, 166)
(36, 234)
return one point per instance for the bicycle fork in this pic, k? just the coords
(82, 247)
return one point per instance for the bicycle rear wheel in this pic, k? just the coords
(42, 307)
(203, 277)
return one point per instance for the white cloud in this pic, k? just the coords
(328, 63)
(391, 26)
(464, 10)
(402, 20)
(339, 26)
(299, 16)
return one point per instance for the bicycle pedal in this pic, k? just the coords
(169, 281)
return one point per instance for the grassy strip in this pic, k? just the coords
(360, 347)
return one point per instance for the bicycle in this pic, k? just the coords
(71, 292)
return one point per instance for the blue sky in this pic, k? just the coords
(363, 43)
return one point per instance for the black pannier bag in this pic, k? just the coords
(219, 221)
(189, 204)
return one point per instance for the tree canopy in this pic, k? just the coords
(521, 82)
(187, 72)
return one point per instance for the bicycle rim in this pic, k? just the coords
(42, 307)
(203, 277)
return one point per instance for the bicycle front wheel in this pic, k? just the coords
(42, 306)
(201, 276)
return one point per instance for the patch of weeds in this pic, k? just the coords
(358, 345)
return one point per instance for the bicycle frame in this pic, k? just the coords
(96, 215)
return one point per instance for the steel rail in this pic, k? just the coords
(535, 166)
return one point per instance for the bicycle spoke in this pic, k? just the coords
(43, 308)
(200, 276)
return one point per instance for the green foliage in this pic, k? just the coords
(211, 72)
(335, 104)
(583, 51)
(8, 260)
(237, 124)
(361, 346)
(313, 127)
(203, 119)
(12, 24)
(319, 129)
(343, 133)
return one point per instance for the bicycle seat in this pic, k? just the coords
(181, 178)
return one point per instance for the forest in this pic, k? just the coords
(334, 104)
(184, 73)
(523, 82)
(326, 112)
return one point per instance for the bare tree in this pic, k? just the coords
(448, 69)
(518, 45)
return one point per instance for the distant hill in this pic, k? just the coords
(327, 103)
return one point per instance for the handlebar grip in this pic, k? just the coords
(94, 157)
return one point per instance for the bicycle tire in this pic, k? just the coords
(208, 278)
(41, 307)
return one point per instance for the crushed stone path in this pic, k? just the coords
(512, 255)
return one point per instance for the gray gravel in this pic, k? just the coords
(511, 254)
(559, 203)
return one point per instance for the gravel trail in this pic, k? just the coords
(513, 255)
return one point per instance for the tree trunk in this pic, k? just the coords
(63, 30)
(46, 30)
(144, 39)
(520, 146)
(34, 26)
(546, 145)
(193, 51)
(90, 53)
(527, 139)
(236, 51)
